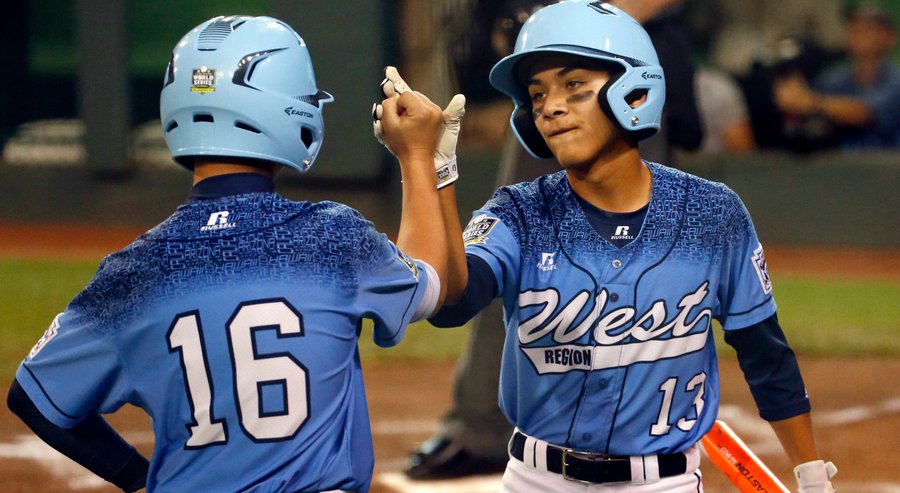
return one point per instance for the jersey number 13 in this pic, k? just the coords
(252, 372)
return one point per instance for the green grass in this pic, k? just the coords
(32, 292)
(823, 316)
(840, 316)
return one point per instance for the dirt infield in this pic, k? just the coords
(857, 417)
(856, 406)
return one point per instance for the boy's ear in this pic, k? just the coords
(636, 98)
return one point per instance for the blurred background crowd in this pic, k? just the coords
(797, 75)
(802, 76)
(794, 104)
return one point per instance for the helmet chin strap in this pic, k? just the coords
(523, 121)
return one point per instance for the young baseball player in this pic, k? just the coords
(611, 272)
(234, 323)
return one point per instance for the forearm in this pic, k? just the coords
(457, 273)
(843, 110)
(422, 234)
(796, 437)
(91, 443)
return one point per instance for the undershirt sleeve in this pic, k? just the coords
(481, 288)
(91, 443)
(770, 368)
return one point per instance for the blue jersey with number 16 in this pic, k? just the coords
(234, 325)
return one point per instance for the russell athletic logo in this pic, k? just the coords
(548, 262)
(622, 233)
(218, 220)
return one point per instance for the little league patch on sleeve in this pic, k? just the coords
(49, 334)
(762, 271)
(478, 229)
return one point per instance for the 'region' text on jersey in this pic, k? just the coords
(610, 349)
(234, 324)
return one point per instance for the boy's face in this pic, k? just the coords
(563, 90)
(869, 39)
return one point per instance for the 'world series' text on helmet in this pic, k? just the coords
(594, 30)
(243, 87)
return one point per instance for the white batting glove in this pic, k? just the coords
(815, 477)
(445, 155)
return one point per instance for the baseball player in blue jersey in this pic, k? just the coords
(234, 323)
(611, 273)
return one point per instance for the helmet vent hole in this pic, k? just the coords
(247, 127)
(635, 96)
(310, 99)
(306, 136)
(214, 34)
(203, 117)
(172, 125)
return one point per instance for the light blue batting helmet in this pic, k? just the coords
(594, 30)
(243, 87)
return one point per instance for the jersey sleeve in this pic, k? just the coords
(392, 287)
(745, 290)
(74, 370)
(494, 235)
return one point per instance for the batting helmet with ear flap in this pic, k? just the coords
(243, 87)
(595, 30)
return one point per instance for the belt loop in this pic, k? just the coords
(637, 469)
(692, 456)
(540, 455)
(528, 453)
(651, 468)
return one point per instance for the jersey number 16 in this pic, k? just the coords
(252, 372)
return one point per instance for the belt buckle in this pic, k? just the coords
(578, 455)
(592, 457)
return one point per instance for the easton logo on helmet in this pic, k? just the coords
(290, 110)
(648, 75)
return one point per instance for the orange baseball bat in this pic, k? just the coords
(732, 456)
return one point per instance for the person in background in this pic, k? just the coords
(860, 100)
(14, 84)
(723, 111)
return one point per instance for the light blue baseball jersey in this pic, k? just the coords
(610, 349)
(234, 325)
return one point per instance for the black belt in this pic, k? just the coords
(596, 468)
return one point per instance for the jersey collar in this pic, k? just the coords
(231, 184)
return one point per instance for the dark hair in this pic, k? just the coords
(874, 15)
(524, 65)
